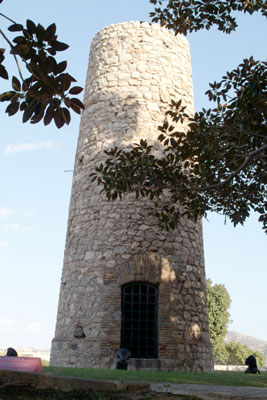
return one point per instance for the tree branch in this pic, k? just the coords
(233, 174)
(42, 78)
(222, 183)
(9, 19)
(14, 55)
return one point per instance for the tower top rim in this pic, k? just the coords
(126, 26)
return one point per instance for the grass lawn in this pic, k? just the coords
(226, 378)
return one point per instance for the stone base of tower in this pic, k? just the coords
(84, 353)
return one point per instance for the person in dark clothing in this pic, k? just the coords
(252, 365)
(11, 352)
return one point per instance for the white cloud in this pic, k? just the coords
(28, 213)
(6, 326)
(34, 327)
(5, 322)
(37, 328)
(5, 212)
(18, 228)
(16, 148)
(4, 243)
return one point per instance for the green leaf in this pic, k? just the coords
(165, 125)
(2, 57)
(58, 118)
(50, 32)
(173, 142)
(51, 51)
(6, 96)
(76, 90)
(19, 40)
(65, 80)
(66, 115)
(38, 116)
(23, 106)
(16, 84)
(60, 67)
(40, 32)
(49, 115)
(50, 64)
(59, 46)
(42, 55)
(12, 108)
(31, 26)
(67, 102)
(15, 27)
(161, 137)
(77, 102)
(27, 113)
(3, 72)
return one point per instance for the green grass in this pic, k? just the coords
(227, 378)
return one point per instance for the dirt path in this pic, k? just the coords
(28, 393)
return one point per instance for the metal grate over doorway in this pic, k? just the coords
(139, 319)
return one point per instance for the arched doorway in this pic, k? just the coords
(139, 331)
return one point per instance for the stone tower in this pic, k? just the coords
(125, 283)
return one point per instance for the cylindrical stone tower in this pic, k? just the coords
(126, 283)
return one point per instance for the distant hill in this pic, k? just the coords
(253, 343)
(29, 352)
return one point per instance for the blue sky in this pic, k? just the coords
(35, 190)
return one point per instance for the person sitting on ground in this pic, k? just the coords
(11, 352)
(252, 365)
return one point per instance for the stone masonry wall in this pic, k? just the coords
(135, 69)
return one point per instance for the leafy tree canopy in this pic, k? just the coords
(220, 163)
(218, 310)
(193, 15)
(233, 353)
(45, 93)
(236, 353)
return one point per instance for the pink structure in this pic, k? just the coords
(28, 364)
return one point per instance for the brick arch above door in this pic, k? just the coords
(146, 268)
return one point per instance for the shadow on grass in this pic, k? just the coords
(26, 392)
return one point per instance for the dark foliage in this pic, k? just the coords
(220, 163)
(46, 94)
(189, 16)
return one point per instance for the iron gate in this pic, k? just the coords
(139, 319)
